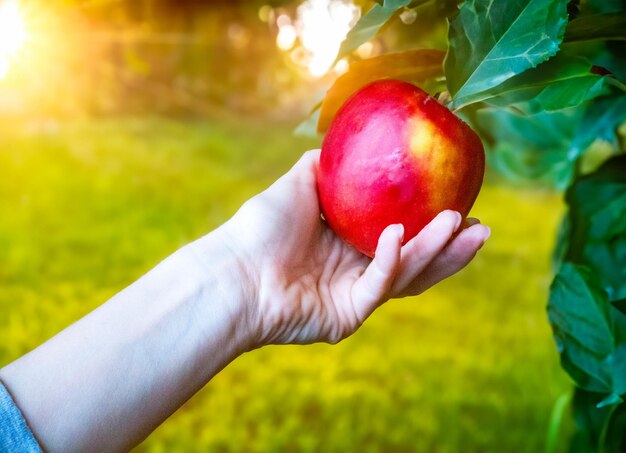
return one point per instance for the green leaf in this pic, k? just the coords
(530, 147)
(308, 127)
(610, 400)
(434, 9)
(600, 121)
(562, 243)
(578, 311)
(494, 40)
(562, 82)
(370, 24)
(591, 195)
(597, 27)
(608, 256)
(416, 66)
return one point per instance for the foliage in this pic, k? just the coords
(543, 82)
(594, 249)
(563, 81)
(579, 311)
(93, 205)
(492, 41)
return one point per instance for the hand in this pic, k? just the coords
(309, 285)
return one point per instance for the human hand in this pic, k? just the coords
(307, 285)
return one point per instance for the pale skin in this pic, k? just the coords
(273, 274)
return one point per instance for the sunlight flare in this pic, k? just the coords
(12, 34)
(320, 26)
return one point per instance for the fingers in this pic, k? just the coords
(373, 286)
(424, 247)
(451, 260)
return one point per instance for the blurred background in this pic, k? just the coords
(129, 128)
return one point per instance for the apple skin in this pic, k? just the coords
(393, 154)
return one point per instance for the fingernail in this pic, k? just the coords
(399, 231)
(487, 234)
(457, 221)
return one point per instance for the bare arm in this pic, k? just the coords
(274, 273)
(111, 378)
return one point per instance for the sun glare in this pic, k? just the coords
(320, 26)
(12, 34)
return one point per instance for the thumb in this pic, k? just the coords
(305, 169)
(371, 289)
(297, 185)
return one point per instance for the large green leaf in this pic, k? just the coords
(603, 27)
(494, 40)
(562, 82)
(370, 24)
(579, 312)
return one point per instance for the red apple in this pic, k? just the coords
(393, 154)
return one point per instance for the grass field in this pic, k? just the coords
(87, 207)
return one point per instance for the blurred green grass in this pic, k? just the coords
(86, 207)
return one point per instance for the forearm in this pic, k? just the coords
(107, 381)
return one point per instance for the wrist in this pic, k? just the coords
(228, 288)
